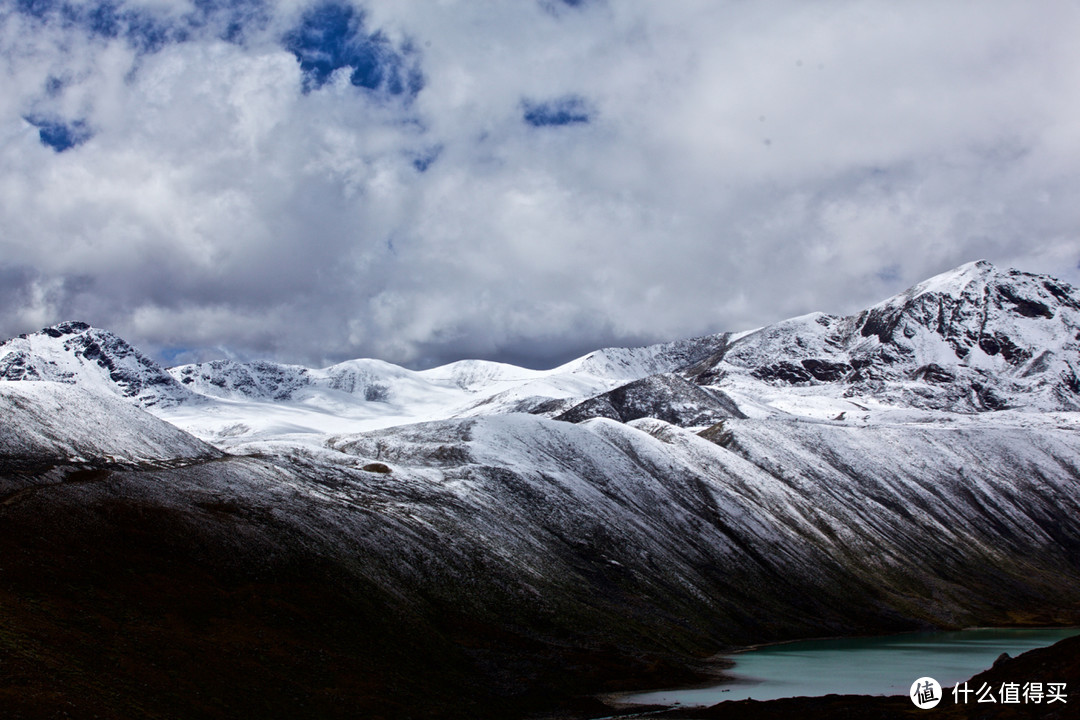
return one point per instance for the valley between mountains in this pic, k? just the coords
(481, 540)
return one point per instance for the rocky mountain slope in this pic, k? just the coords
(48, 422)
(527, 559)
(972, 339)
(665, 397)
(385, 541)
(75, 353)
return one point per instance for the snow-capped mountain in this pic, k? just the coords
(261, 401)
(483, 385)
(972, 339)
(231, 379)
(76, 353)
(912, 465)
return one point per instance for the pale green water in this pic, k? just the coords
(885, 665)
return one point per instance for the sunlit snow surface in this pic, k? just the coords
(235, 419)
(45, 421)
(314, 413)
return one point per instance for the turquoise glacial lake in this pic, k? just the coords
(883, 665)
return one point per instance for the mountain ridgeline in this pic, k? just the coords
(482, 540)
(75, 353)
(970, 340)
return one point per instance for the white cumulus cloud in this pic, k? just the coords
(563, 177)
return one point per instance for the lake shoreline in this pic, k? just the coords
(727, 681)
(1059, 662)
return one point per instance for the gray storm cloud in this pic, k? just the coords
(422, 182)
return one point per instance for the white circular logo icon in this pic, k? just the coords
(925, 693)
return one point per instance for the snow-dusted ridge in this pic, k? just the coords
(970, 340)
(50, 421)
(75, 353)
(261, 401)
(916, 464)
(974, 339)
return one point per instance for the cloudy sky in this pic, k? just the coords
(422, 181)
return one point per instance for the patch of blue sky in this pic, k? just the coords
(53, 86)
(565, 110)
(37, 8)
(144, 29)
(333, 36)
(169, 355)
(230, 19)
(58, 134)
(424, 159)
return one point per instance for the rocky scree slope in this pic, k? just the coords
(764, 528)
(666, 397)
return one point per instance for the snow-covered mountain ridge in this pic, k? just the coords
(916, 464)
(75, 353)
(972, 339)
(50, 421)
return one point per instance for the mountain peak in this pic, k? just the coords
(974, 338)
(66, 328)
(77, 353)
(955, 283)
